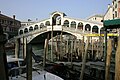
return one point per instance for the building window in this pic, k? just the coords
(113, 2)
(116, 6)
(11, 22)
(113, 16)
(113, 8)
(115, 13)
(2, 21)
(95, 18)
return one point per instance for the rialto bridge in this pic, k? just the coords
(59, 22)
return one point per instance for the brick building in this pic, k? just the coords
(10, 25)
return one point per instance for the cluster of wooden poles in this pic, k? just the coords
(111, 45)
(76, 47)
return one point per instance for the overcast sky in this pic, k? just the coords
(41, 9)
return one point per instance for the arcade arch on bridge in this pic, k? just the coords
(87, 27)
(66, 23)
(36, 27)
(80, 26)
(95, 29)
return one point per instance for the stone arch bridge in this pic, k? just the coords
(59, 22)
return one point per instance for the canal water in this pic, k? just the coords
(37, 49)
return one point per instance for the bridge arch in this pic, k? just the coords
(30, 28)
(56, 19)
(25, 30)
(66, 23)
(41, 25)
(95, 29)
(80, 26)
(47, 23)
(41, 34)
(73, 24)
(87, 27)
(21, 32)
(36, 27)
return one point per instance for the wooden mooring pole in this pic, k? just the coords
(3, 60)
(51, 56)
(71, 54)
(17, 48)
(84, 59)
(108, 58)
(61, 46)
(83, 48)
(24, 47)
(45, 52)
(57, 53)
(29, 61)
(117, 62)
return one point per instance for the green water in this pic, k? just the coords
(37, 49)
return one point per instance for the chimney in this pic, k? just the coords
(13, 16)
(108, 6)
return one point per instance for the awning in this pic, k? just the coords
(110, 24)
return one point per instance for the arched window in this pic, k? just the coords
(73, 24)
(31, 28)
(41, 25)
(87, 27)
(56, 19)
(95, 29)
(25, 30)
(47, 23)
(102, 30)
(21, 32)
(36, 27)
(80, 26)
(66, 23)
